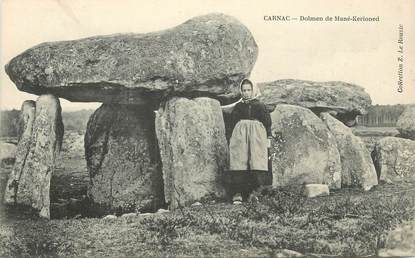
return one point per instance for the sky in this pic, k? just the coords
(363, 53)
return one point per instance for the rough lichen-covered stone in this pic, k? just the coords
(344, 100)
(406, 123)
(357, 165)
(123, 160)
(205, 56)
(27, 116)
(303, 149)
(400, 242)
(45, 143)
(394, 159)
(314, 190)
(193, 148)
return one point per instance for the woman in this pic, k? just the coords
(249, 143)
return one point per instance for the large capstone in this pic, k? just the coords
(27, 116)
(205, 56)
(394, 159)
(34, 168)
(123, 160)
(303, 149)
(344, 100)
(193, 148)
(357, 165)
(406, 123)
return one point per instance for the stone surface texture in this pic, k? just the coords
(205, 56)
(314, 190)
(123, 160)
(344, 100)
(39, 165)
(27, 116)
(303, 149)
(193, 148)
(394, 159)
(357, 165)
(406, 123)
(400, 242)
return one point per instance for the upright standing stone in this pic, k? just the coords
(45, 143)
(193, 148)
(27, 117)
(303, 149)
(357, 165)
(394, 159)
(123, 160)
(406, 123)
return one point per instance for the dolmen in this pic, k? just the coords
(160, 136)
(138, 158)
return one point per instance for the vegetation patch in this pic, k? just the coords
(349, 222)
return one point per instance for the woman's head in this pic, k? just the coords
(248, 90)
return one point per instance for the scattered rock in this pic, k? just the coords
(207, 55)
(357, 165)
(146, 214)
(193, 149)
(314, 190)
(163, 211)
(400, 241)
(196, 204)
(109, 217)
(123, 160)
(129, 215)
(27, 116)
(285, 253)
(303, 149)
(344, 100)
(406, 123)
(394, 159)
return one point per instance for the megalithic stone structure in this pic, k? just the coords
(123, 159)
(206, 56)
(27, 118)
(193, 149)
(46, 140)
(344, 100)
(357, 165)
(303, 149)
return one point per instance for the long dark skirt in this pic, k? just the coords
(244, 181)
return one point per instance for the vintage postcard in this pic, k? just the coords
(207, 128)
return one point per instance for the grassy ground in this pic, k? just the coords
(347, 223)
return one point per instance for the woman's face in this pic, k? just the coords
(246, 91)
